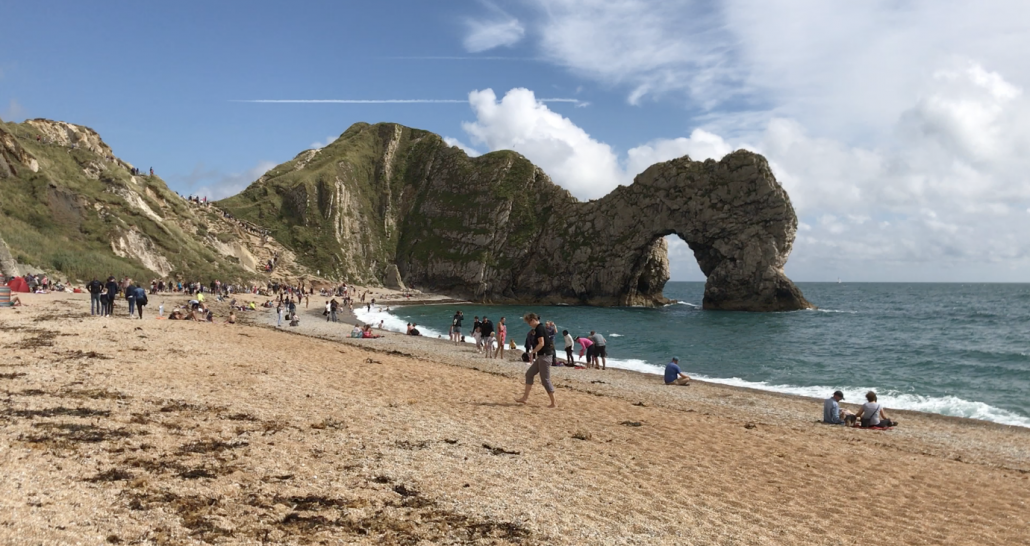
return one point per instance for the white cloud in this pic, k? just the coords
(497, 30)
(700, 146)
(649, 47)
(214, 184)
(582, 165)
(319, 145)
(469, 151)
(14, 111)
(944, 191)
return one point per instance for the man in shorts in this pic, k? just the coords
(600, 349)
(542, 358)
(456, 327)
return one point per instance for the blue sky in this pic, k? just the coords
(899, 128)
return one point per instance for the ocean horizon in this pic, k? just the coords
(957, 349)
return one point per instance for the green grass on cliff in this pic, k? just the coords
(50, 221)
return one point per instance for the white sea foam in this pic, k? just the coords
(391, 323)
(946, 405)
(614, 335)
(836, 311)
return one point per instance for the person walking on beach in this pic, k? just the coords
(279, 315)
(833, 414)
(112, 293)
(600, 349)
(486, 334)
(542, 357)
(475, 328)
(502, 333)
(141, 300)
(328, 311)
(673, 374)
(570, 344)
(456, 327)
(872, 414)
(95, 289)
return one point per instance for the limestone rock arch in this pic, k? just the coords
(733, 214)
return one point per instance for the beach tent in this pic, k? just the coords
(18, 284)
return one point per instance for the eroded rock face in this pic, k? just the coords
(733, 214)
(495, 228)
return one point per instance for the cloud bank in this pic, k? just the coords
(948, 193)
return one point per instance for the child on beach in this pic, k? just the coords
(570, 344)
(478, 336)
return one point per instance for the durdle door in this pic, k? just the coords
(495, 228)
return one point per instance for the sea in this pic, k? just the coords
(952, 349)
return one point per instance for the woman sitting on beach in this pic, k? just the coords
(872, 414)
(367, 333)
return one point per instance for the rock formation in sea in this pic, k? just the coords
(387, 203)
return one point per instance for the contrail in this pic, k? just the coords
(381, 101)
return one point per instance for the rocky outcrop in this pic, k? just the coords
(8, 265)
(495, 228)
(13, 156)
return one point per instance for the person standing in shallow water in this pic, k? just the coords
(542, 357)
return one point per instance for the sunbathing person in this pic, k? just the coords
(367, 333)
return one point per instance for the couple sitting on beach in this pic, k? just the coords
(871, 413)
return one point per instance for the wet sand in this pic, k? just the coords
(171, 432)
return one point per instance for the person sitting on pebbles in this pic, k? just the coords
(833, 414)
(673, 374)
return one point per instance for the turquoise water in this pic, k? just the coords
(954, 349)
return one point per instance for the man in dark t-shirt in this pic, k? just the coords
(456, 327)
(95, 288)
(543, 358)
(112, 293)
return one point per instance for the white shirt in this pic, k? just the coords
(871, 411)
(569, 342)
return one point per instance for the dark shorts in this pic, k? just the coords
(456, 329)
(601, 351)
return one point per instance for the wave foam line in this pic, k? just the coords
(946, 405)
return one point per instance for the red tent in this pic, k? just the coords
(18, 284)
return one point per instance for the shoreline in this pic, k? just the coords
(719, 381)
(446, 352)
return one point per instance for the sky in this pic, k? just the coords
(900, 129)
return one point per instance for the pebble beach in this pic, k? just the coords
(176, 432)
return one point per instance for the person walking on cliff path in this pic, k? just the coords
(542, 357)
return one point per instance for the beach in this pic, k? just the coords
(175, 432)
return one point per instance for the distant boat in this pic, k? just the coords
(838, 280)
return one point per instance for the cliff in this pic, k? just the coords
(495, 228)
(70, 207)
